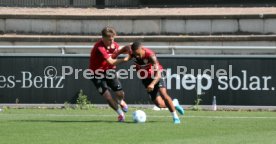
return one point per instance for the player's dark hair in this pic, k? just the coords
(135, 45)
(108, 31)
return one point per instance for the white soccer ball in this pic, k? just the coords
(139, 116)
(1, 110)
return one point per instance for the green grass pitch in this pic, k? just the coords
(97, 126)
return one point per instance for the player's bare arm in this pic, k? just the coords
(123, 50)
(112, 61)
(157, 74)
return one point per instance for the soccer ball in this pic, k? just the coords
(139, 116)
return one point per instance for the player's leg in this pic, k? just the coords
(164, 101)
(111, 102)
(162, 84)
(116, 86)
(178, 107)
(154, 95)
(167, 99)
(120, 95)
(159, 102)
(169, 104)
(102, 88)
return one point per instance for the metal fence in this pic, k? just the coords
(84, 50)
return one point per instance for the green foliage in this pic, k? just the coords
(197, 106)
(82, 101)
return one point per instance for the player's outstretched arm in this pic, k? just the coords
(112, 61)
(123, 50)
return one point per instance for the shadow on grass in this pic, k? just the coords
(76, 121)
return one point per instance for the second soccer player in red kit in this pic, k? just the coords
(152, 78)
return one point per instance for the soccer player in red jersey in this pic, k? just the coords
(152, 78)
(102, 64)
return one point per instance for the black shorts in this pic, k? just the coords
(153, 94)
(103, 84)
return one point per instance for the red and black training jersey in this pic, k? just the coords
(146, 63)
(99, 54)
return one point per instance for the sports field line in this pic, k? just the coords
(153, 116)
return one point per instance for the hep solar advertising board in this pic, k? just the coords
(58, 79)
